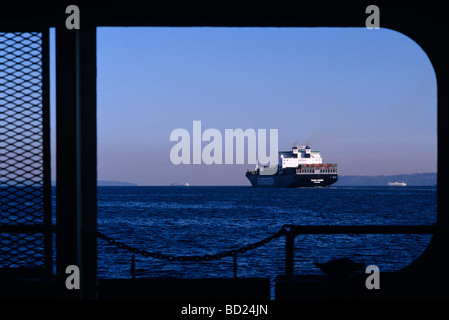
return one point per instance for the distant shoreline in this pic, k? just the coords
(414, 179)
(109, 183)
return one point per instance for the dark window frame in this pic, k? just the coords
(76, 91)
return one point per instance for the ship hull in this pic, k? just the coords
(292, 180)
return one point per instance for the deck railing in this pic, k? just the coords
(292, 231)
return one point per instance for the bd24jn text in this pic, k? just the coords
(234, 309)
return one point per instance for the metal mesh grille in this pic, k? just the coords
(22, 188)
(16, 251)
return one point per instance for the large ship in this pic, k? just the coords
(300, 167)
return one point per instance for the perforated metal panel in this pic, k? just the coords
(25, 216)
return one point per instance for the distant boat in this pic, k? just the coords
(397, 184)
(180, 184)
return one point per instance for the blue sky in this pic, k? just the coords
(365, 98)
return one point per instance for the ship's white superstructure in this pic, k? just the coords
(298, 156)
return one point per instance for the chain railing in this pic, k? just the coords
(290, 232)
(181, 258)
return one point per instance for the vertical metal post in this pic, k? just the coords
(133, 267)
(235, 265)
(289, 253)
(76, 211)
(87, 128)
(67, 175)
(48, 233)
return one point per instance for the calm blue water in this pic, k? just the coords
(208, 220)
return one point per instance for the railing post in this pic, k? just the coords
(235, 265)
(289, 252)
(133, 267)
